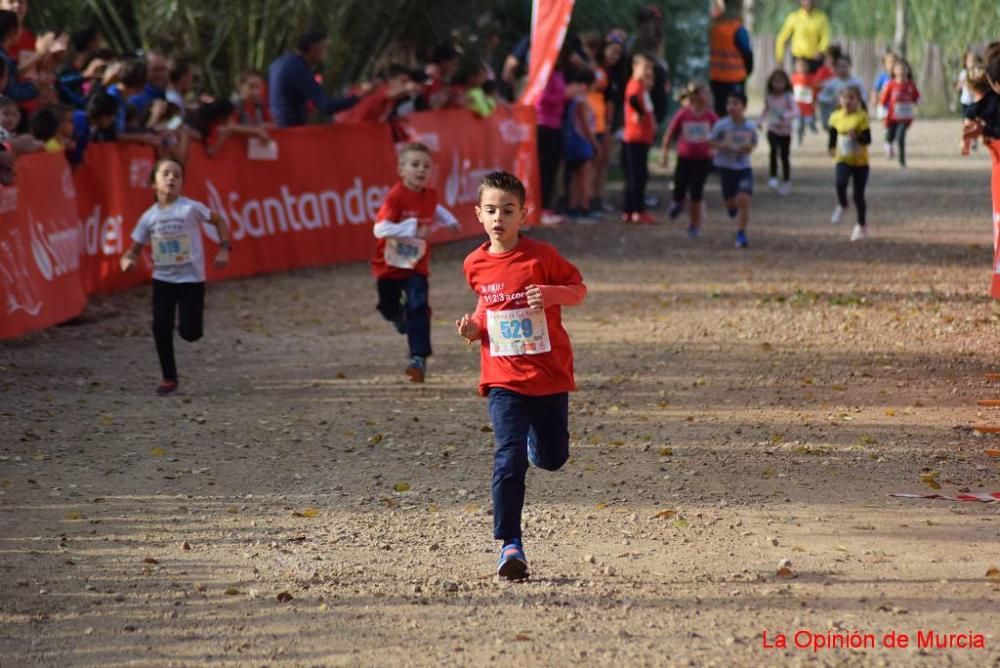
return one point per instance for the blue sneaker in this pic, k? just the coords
(675, 210)
(532, 454)
(741, 239)
(513, 565)
(417, 369)
(694, 232)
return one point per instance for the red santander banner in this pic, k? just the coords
(308, 200)
(549, 22)
(40, 244)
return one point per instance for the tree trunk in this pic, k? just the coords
(748, 15)
(899, 39)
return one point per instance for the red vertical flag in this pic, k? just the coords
(549, 21)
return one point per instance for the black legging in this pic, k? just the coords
(897, 131)
(635, 160)
(185, 299)
(550, 151)
(860, 177)
(780, 144)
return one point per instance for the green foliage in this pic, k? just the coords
(227, 36)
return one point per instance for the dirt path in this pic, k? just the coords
(771, 398)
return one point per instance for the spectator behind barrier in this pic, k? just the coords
(292, 85)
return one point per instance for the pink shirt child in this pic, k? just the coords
(690, 129)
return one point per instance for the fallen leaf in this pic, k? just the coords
(890, 412)
(600, 505)
(665, 514)
(930, 479)
(993, 573)
(308, 512)
(522, 637)
(150, 560)
(666, 452)
(232, 591)
(157, 452)
(993, 453)
(401, 487)
(74, 515)
(284, 597)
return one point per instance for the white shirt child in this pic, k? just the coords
(174, 236)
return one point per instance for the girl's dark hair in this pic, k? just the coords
(101, 104)
(504, 181)
(209, 113)
(8, 24)
(134, 74)
(82, 39)
(778, 74)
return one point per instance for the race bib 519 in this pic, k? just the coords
(171, 250)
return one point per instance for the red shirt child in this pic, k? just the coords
(900, 98)
(638, 113)
(804, 91)
(690, 129)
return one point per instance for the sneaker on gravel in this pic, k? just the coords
(785, 188)
(675, 210)
(417, 369)
(167, 387)
(741, 240)
(772, 183)
(513, 565)
(859, 232)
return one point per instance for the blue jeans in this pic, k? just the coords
(517, 418)
(417, 309)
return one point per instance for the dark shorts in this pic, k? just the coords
(736, 181)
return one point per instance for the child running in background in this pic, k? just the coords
(849, 138)
(173, 228)
(804, 91)
(825, 105)
(842, 79)
(881, 81)
(526, 356)
(639, 131)
(734, 138)
(971, 64)
(980, 88)
(401, 263)
(579, 144)
(690, 128)
(900, 98)
(780, 112)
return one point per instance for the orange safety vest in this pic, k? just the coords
(725, 60)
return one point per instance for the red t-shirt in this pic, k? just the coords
(25, 42)
(536, 366)
(901, 99)
(691, 130)
(402, 203)
(804, 90)
(638, 125)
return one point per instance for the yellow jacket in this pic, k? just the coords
(810, 33)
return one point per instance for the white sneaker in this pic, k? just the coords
(859, 232)
(888, 150)
(838, 213)
(785, 188)
(772, 183)
(549, 218)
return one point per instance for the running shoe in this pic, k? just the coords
(772, 183)
(838, 214)
(417, 369)
(513, 565)
(693, 232)
(785, 188)
(627, 218)
(675, 210)
(644, 218)
(550, 218)
(741, 240)
(859, 232)
(167, 387)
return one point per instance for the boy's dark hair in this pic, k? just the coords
(101, 104)
(134, 74)
(738, 96)
(82, 39)
(310, 39)
(835, 51)
(8, 24)
(504, 181)
(844, 57)
(642, 55)
(778, 74)
(179, 67)
(44, 124)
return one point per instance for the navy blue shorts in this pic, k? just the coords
(736, 181)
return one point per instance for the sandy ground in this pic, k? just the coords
(769, 399)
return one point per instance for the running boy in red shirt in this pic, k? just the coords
(526, 356)
(401, 262)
